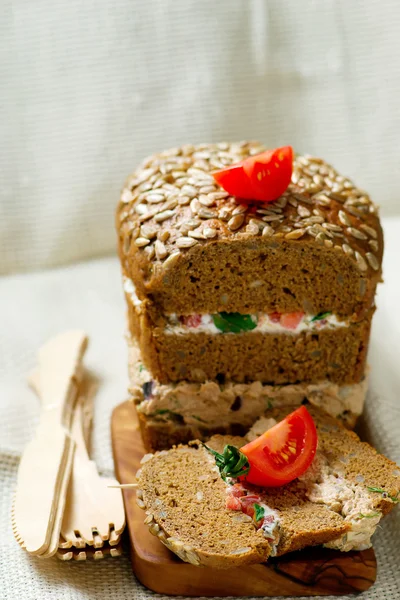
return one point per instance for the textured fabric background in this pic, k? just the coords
(36, 306)
(89, 88)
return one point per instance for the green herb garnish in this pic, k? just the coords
(259, 512)
(385, 494)
(141, 368)
(234, 322)
(370, 516)
(320, 316)
(231, 463)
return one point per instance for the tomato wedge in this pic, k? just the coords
(263, 177)
(284, 452)
(234, 181)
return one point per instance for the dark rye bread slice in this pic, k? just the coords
(337, 354)
(338, 502)
(190, 248)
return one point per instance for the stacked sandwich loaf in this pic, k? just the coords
(234, 308)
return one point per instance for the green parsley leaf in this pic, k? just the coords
(370, 516)
(259, 512)
(231, 463)
(234, 322)
(320, 316)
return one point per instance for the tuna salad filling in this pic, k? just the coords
(212, 402)
(323, 485)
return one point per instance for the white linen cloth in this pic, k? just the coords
(88, 88)
(88, 295)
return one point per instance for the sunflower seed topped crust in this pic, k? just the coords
(174, 186)
(172, 198)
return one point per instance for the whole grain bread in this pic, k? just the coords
(189, 247)
(337, 354)
(338, 502)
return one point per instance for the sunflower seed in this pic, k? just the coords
(196, 234)
(155, 198)
(149, 519)
(344, 219)
(270, 218)
(267, 231)
(206, 213)
(295, 234)
(163, 235)
(371, 232)
(141, 242)
(236, 222)
(328, 243)
(185, 242)
(163, 216)
(149, 251)
(126, 196)
(170, 262)
(207, 189)
(374, 245)
(209, 232)
(148, 231)
(141, 209)
(160, 250)
(189, 190)
(252, 228)
(332, 227)
(224, 214)
(362, 265)
(206, 200)
(347, 249)
(293, 202)
(183, 200)
(373, 261)
(357, 234)
(140, 503)
(303, 211)
(320, 238)
(240, 209)
(195, 205)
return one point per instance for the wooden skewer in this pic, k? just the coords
(122, 486)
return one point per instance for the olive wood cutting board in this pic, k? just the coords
(311, 572)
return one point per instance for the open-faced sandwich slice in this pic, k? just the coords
(201, 507)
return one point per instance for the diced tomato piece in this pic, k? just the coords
(263, 177)
(247, 503)
(291, 320)
(284, 452)
(233, 503)
(191, 320)
(237, 490)
(275, 317)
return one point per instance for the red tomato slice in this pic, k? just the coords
(291, 320)
(270, 172)
(233, 503)
(284, 452)
(235, 181)
(263, 177)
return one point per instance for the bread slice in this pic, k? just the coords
(338, 502)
